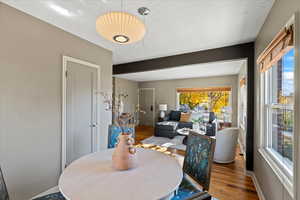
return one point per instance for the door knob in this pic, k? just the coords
(93, 125)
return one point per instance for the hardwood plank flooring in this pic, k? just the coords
(228, 181)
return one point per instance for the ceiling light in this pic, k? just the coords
(120, 27)
(61, 10)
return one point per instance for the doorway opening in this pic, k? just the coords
(146, 101)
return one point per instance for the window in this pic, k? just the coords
(217, 100)
(277, 126)
(279, 111)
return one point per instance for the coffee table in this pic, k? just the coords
(186, 131)
(183, 131)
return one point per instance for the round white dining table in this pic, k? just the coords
(92, 177)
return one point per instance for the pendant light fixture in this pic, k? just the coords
(122, 27)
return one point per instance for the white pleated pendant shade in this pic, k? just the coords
(120, 27)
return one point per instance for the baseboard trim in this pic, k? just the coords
(256, 184)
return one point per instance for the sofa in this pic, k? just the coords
(168, 127)
(165, 131)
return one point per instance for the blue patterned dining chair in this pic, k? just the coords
(114, 132)
(52, 196)
(3, 189)
(201, 196)
(197, 168)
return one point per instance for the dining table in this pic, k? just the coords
(92, 177)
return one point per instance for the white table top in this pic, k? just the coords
(93, 178)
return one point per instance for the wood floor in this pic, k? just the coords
(228, 181)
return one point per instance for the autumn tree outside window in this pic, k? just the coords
(215, 100)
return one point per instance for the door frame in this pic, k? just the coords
(96, 137)
(154, 106)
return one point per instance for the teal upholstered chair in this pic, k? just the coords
(200, 196)
(3, 189)
(114, 132)
(53, 196)
(197, 168)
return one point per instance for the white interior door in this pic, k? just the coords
(146, 102)
(81, 110)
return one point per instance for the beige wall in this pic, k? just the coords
(30, 98)
(131, 89)
(165, 91)
(242, 106)
(281, 12)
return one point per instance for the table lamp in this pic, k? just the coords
(163, 108)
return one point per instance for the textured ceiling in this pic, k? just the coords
(188, 71)
(173, 26)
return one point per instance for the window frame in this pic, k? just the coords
(286, 174)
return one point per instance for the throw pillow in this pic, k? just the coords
(174, 116)
(185, 117)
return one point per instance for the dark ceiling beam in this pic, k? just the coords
(212, 55)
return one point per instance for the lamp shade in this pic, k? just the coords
(163, 107)
(120, 27)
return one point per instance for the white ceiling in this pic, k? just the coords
(173, 26)
(188, 71)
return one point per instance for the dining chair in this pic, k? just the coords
(3, 189)
(52, 194)
(196, 167)
(114, 132)
(200, 196)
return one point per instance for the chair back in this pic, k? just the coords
(3, 190)
(226, 143)
(198, 158)
(114, 132)
(200, 196)
(231, 133)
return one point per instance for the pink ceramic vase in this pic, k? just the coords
(124, 156)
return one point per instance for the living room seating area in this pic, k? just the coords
(173, 132)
